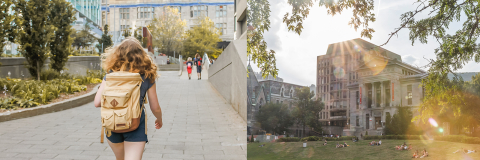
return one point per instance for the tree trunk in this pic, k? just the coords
(303, 131)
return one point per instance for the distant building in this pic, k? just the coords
(269, 90)
(121, 15)
(360, 83)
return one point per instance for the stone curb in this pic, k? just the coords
(49, 108)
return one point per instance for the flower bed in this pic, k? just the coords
(30, 93)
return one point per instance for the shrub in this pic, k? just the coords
(29, 93)
(458, 138)
(311, 138)
(289, 139)
(399, 137)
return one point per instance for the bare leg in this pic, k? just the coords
(134, 150)
(117, 149)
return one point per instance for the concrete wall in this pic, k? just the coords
(75, 65)
(228, 76)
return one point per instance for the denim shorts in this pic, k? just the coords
(137, 135)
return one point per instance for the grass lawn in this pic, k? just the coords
(359, 150)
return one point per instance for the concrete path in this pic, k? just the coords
(198, 124)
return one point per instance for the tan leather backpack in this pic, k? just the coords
(121, 109)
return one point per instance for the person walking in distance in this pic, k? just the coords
(189, 67)
(199, 66)
(128, 60)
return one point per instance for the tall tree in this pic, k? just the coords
(202, 38)
(10, 22)
(259, 22)
(83, 38)
(105, 41)
(168, 30)
(274, 118)
(36, 36)
(307, 110)
(62, 15)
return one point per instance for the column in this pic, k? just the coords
(382, 94)
(374, 97)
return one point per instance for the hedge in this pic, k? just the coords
(399, 137)
(311, 138)
(343, 138)
(288, 139)
(458, 138)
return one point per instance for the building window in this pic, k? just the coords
(124, 27)
(222, 27)
(124, 13)
(196, 11)
(409, 94)
(357, 121)
(221, 11)
(357, 96)
(145, 12)
(179, 9)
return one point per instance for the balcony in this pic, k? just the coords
(333, 109)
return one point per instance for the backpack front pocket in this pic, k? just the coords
(116, 98)
(108, 120)
(123, 118)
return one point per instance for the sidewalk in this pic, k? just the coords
(197, 124)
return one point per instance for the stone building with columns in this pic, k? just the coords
(360, 83)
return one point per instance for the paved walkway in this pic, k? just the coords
(198, 124)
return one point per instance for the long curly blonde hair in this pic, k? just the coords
(130, 56)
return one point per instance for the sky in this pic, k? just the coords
(297, 54)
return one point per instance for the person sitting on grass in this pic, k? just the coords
(409, 147)
(345, 144)
(325, 143)
(339, 145)
(379, 142)
(415, 154)
(424, 153)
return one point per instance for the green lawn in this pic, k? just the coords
(359, 150)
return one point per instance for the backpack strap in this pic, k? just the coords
(101, 137)
(145, 102)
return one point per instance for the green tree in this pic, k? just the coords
(259, 22)
(168, 31)
(307, 110)
(83, 38)
(202, 38)
(401, 123)
(105, 41)
(10, 22)
(36, 36)
(138, 34)
(62, 15)
(126, 33)
(274, 118)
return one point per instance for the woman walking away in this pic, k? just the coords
(189, 67)
(199, 66)
(125, 123)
